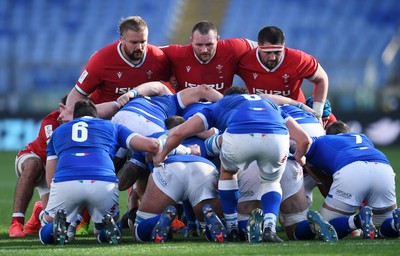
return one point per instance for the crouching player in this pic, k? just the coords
(181, 178)
(80, 173)
(359, 172)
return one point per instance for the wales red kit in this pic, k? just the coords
(39, 145)
(285, 79)
(218, 72)
(108, 74)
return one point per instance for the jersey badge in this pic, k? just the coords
(149, 74)
(219, 67)
(48, 130)
(286, 79)
(83, 76)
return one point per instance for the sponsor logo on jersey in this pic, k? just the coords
(119, 74)
(159, 177)
(188, 68)
(215, 86)
(285, 93)
(247, 193)
(343, 194)
(255, 75)
(119, 90)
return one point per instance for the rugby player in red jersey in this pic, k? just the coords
(273, 68)
(30, 169)
(207, 59)
(121, 66)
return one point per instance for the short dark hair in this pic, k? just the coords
(272, 35)
(64, 99)
(84, 107)
(135, 23)
(236, 90)
(337, 127)
(173, 121)
(204, 27)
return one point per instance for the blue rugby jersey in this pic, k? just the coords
(85, 148)
(330, 153)
(299, 115)
(245, 114)
(155, 108)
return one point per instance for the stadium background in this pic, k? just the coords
(45, 43)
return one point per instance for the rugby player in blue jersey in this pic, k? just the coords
(254, 130)
(360, 172)
(80, 173)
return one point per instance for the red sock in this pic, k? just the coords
(18, 219)
(37, 211)
(86, 216)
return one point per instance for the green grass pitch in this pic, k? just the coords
(87, 245)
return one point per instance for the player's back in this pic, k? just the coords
(85, 147)
(299, 115)
(332, 152)
(244, 113)
(156, 108)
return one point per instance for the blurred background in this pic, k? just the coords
(44, 45)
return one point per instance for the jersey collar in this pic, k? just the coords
(204, 62)
(128, 61)
(275, 68)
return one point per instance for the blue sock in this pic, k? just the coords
(341, 226)
(271, 202)
(242, 228)
(386, 229)
(189, 213)
(102, 237)
(229, 194)
(145, 228)
(46, 234)
(303, 231)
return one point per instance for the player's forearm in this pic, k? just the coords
(211, 94)
(303, 141)
(171, 143)
(73, 97)
(321, 84)
(107, 110)
(153, 89)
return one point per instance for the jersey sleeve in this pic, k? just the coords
(47, 127)
(241, 46)
(90, 77)
(124, 136)
(308, 65)
(51, 153)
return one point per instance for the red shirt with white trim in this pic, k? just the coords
(285, 79)
(39, 145)
(108, 74)
(218, 72)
